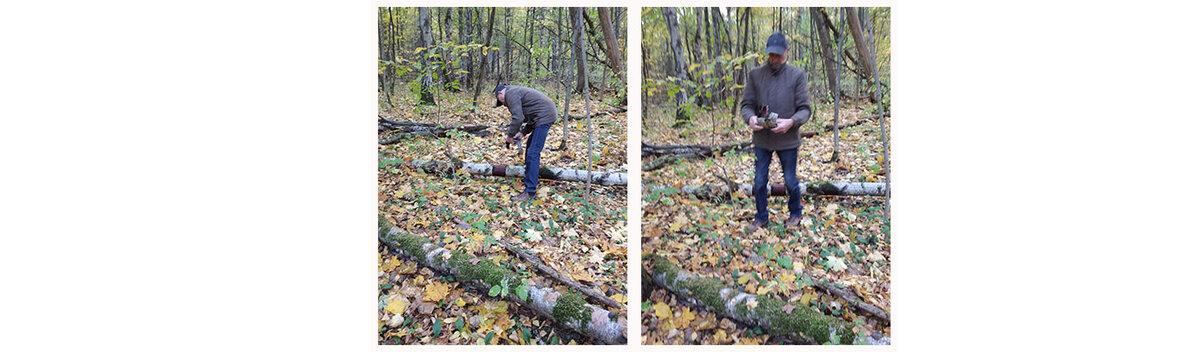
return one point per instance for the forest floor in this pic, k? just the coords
(845, 240)
(470, 212)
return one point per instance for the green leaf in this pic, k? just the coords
(523, 292)
(784, 262)
(488, 339)
(494, 291)
(645, 306)
(437, 327)
(458, 324)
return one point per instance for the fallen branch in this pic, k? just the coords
(548, 173)
(566, 308)
(553, 274)
(705, 150)
(715, 191)
(773, 315)
(852, 298)
(615, 110)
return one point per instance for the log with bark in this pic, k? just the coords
(566, 308)
(717, 191)
(615, 110)
(772, 315)
(548, 173)
(861, 120)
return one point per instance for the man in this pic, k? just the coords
(536, 112)
(782, 89)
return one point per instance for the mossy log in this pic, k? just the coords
(566, 308)
(548, 173)
(717, 191)
(762, 311)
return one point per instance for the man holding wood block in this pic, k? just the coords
(781, 90)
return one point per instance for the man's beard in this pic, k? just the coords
(775, 67)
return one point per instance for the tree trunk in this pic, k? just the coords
(548, 173)
(546, 270)
(610, 39)
(615, 110)
(426, 42)
(860, 41)
(679, 68)
(766, 312)
(837, 91)
(577, 46)
(398, 133)
(483, 60)
(826, 48)
(566, 308)
(887, 206)
(587, 104)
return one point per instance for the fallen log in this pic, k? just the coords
(772, 315)
(397, 134)
(704, 150)
(549, 173)
(860, 121)
(717, 191)
(553, 274)
(615, 110)
(566, 308)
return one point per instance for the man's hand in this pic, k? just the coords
(754, 123)
(509, 139)
(783, 125)
(519, 136)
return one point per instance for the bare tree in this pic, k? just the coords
(679, 69)
(483, 60)
(610, 40)
(426, 42)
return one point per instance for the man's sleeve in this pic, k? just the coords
(803, 109)
(514, 106)
(749, 100)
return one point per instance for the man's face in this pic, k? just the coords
(776, 59)
(500, 96)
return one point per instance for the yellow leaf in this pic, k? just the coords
(435, 291)
(685, 318)
(743, 279)
(460, 302)
(620, 298)
(763, 290)
(752, 304)
(390, 264)
(662, 311)
(805, 298)
(397, 306)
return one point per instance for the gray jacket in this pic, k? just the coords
(784, 92)
(529, 107)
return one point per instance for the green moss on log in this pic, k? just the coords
(823, 188)
(571, 307)
(768, 314)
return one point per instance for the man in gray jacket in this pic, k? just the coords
(781, 89)
(536, 112)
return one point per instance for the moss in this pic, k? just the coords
(484, 271)
(571, 308)
(823, 188)
(663, 266)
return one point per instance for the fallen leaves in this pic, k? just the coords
(435, 291)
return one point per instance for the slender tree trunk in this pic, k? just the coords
(887, 206)
(679, 70)
(387, 98)
(860, 42)
(837, 93)
(577, 44)
(426, 42)
(484, 51)
(610, 39)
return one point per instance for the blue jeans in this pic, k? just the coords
(762, 163)
(533, 156)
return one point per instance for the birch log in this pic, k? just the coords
(548, 173)
(566, 308)
(715, 191)
(773, 315)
